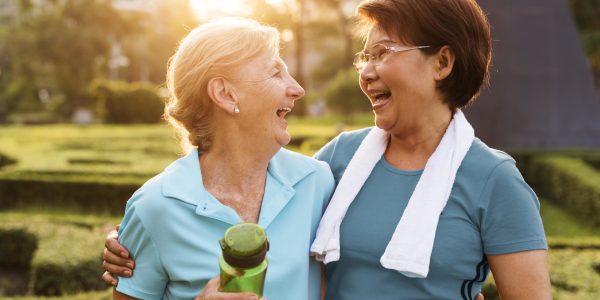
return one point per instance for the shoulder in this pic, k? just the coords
(482, 161)
(350, 140)
(153, 198)
(339, 151)
(295, 166)
(489, 175)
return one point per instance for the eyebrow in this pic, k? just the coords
(384, 41)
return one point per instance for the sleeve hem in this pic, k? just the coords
(136, 293)
(516, 247)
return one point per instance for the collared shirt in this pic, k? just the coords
(172, 226)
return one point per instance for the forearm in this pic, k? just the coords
(522, 275)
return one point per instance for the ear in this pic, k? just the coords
(444, 63)
(221, 93)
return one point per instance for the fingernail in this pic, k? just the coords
(129, 265)
(123, 254)
(253, 297)
(127, 273)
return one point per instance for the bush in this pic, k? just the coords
(76, 196)
(566, 181)
(344, 95)
(5, 160)
(17, 247)
(68, 259)
(127, 103)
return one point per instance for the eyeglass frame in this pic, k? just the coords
(370, 58)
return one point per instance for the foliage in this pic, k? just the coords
(559, 223)
(51, 50)
(73, 196)
(100, 295)
(68, 259)
(586, 13)
(5, 160)
(344, 95)
(16, 248)
(127, 103)
(568, 182)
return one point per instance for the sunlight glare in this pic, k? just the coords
(205, 9)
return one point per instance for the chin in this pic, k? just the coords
(283, 139)
(382, 122)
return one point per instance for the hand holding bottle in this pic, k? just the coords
(211, 292)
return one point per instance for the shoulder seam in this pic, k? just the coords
(147, 232)
(487, 180)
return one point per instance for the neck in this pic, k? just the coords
(411, 147)
(229, 163)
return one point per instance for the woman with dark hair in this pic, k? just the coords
(423, 209)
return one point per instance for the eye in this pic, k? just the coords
(378, 51)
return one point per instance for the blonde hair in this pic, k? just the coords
(217, 48)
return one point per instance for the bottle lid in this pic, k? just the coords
(244, 245)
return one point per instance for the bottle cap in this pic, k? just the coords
(244, 245)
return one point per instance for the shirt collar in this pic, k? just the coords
(182, 180)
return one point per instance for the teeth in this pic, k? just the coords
(281, 112)
(379, 94)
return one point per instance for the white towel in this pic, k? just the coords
(409, 250)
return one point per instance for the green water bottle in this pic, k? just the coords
(243, 260)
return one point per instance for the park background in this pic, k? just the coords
(81, 91)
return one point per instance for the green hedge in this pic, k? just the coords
(566, 181)
(17, 247)
(68, 259)
(5, 160)
(127, 103)
(91, 197)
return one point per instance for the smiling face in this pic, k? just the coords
(402, 88)
(266, 93)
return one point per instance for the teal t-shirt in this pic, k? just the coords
(491, 210)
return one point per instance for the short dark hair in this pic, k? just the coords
(459, 24)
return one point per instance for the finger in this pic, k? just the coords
(113, 246)
(113, 235)
(116, 270)
(479, 296)
(117, 227)
(109, 279)
(112, 258)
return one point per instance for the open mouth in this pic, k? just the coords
(281, 112)
(381, 98)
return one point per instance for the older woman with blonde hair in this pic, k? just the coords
(230, 92)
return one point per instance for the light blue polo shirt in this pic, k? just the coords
(172, 226)
(491, 210)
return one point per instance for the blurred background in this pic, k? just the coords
(81, 98)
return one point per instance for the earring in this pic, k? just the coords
(236, 110)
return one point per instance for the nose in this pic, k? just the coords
(294, 90)
(367, 73)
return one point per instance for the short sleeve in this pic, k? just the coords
(149, 278)
(510, 218)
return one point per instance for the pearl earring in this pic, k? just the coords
(236, 110)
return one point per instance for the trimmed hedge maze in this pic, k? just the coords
(56, 257)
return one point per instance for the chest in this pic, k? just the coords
(373, 216)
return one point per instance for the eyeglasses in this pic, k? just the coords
(377, 53)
